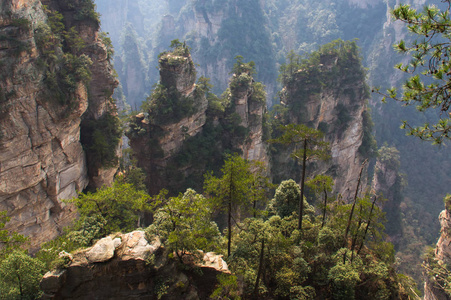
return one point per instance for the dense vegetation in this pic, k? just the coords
(101, 138)
(20, 274)
(427, 89)
(342, 256)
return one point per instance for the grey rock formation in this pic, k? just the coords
(251, 112)
(103, 250)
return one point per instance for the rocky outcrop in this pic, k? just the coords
(443, 251)
(41, 158)
(442, 256)
(128, 266)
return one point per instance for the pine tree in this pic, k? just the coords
(231, 190)
(313, 147)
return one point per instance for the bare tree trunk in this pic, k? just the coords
(348, 226)
(367, 225)
(301, 201)
(260, 269)
(325, 207)
(354, 239)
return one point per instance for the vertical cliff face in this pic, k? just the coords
(218, 31)
(433, 287)
(101, 85)
(41, 158)
(328, 92)
(387, 181)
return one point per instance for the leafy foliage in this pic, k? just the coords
(230, 191)
(106, 40)
(86, 10)
(121, 206)
(337, 59)
(9, 241)
(299, 133)
(228, 286)
(368, 148)
(286, 199)
(313, 148)
(184, 225)
(83, 233)
(20, 276)
(168, 105)
(322, 184)
(438, 272)
(275, 262)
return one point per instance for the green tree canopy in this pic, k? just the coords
(286, 199)
(20, 276)
(230, 191)
(121, 206)
(8, 240)
(184, 224)
(322, 184)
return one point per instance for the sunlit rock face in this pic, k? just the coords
(332, 99)
(432, 288)
(41, 158)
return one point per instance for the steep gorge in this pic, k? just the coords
(41, 158)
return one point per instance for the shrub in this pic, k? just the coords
(116, 208)
(22, 23)
(20, 276)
